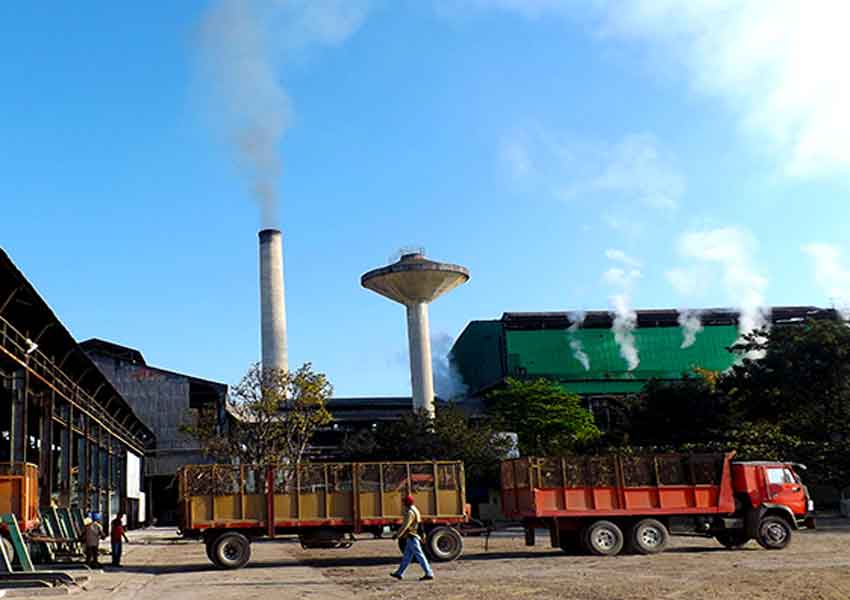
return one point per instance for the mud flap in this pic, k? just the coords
(752, 520)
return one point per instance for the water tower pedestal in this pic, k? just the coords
(415, 282)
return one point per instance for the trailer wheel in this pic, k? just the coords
(733, 540)
(445, 544)
(231, 551)
(648, 536)
(774, 533)
(603, 538)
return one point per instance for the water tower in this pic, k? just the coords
(415, 282)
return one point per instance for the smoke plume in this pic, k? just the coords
(577, 347)
(448, 382)
(242, 45)
(625, 318)
(691, 325)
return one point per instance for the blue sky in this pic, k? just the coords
(571, 155)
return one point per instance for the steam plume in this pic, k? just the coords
(577, 347)
(832, 275)
(625, 319)
(691, 324)
(732, 250)
(448, 382)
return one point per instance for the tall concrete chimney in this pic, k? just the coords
(272, 304)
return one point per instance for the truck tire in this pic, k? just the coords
(444, 544)
(603, 538)
(648, 536)
(733, 540)
(210, 546)
(231, 551)
(774, 533)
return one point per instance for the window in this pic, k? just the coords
(775, 476)
(790, 477)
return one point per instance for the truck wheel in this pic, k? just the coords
(445, 544)
(648, 536)
(231, 551)
(603, 538)
(733, 539)
(774, 533)
(210, 546)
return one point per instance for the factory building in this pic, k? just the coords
(549, 345)
(63, 426)
(165, 401)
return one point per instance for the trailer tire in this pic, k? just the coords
(231, 551)
(603, 538)
(774, 533)
(648, 536)
(734, 540)
(444, 544)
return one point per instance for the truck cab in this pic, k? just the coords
(771, 489)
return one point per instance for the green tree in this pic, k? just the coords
(801, 381)
(275, 415)
(546, 418)
(451, 435)
(672, 413)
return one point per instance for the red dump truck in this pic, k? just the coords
(603, 504)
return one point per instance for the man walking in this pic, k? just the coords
(409, 533)
(93, 534)
(117, 536)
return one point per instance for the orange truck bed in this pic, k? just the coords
(609, 486)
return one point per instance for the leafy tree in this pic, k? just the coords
(451, 435)
(275, 415)
(547, 419)
(802, 381)
(677, 412)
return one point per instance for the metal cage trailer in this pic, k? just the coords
(603, 504)
(324, 504)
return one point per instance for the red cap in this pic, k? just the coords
(408, 500)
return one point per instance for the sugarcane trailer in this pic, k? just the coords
(324, 504)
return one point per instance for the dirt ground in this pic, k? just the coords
(816, 566)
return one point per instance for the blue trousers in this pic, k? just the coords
(413, 550)
(117, 547)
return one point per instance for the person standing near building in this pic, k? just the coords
(93, 534)
(409, 533)
(117, 536)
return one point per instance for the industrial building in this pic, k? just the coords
(165, 401)
(60, 414)
(547, 344)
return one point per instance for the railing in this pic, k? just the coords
(19, 348)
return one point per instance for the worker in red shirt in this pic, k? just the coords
(118, 536)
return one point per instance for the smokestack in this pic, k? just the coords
(272, 304)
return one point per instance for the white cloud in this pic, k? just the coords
(779, 66)
(622, 257)
(832, 274)
(633, 169)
